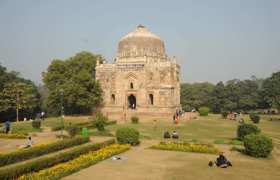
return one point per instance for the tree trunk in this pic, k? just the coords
(17, 114)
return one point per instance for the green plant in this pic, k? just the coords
(203, 111)
(126, 135)
(245, 129)
(18, 169)
(255, 117)
(100, 121)
(35, 151)
(36, 124)
(258, 145)
(73, 130)
(134, 120)
(236, 142)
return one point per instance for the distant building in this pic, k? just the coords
(142, 81)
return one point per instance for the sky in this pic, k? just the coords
(215, 40)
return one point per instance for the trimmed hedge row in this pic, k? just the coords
(33, 165)
(64, 169)
(12, 136)
(25, 154)
(81, 125)
(186, 147)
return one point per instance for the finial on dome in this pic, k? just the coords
(140, 26)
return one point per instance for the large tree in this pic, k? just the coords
(73, 82)
(271, 90)
(18, 96)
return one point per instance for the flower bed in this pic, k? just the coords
(24, 154)
(13, 136)
(186, 147)
(83, 161)
(15, 170)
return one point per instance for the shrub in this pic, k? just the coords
(18, 169)
(134, 120)
(236, 142)
(83, 161)
(186, 147)
(100, 121)
(203, 111)
(13, 136)
(257, 145)
(255, 117)
(35, 151)
(245, 129)
(36, 124)
(73, 130)
(224, 114)
(126, 135)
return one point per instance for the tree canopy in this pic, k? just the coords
(19, 97)
(73, 82)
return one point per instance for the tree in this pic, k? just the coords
(18, 96)
(271, 90)
(196, 95)
(76, 77)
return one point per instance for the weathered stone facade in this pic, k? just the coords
(142, 81)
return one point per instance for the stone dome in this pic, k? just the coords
(139, 43)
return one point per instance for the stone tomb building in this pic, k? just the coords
(142, 81)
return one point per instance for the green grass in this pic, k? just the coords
(204, 129)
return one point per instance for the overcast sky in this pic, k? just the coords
(213, 39)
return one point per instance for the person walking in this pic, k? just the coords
(7, 126)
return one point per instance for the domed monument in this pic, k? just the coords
(142, 81)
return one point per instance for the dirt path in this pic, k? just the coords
(141, 163)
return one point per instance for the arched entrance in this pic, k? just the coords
(131, 99)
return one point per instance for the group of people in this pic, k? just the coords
(236, 116)
(221, 162)
(177, 115)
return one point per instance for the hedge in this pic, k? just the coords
(126, 135)
(186, 147)
(12, 136)
(15, 170)
(64, 169)
(82, 124)
(258, 145)
(35, 151)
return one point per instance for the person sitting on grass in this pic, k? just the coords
(175, 135)
(166, 135)
(221, 162)
(29, 142)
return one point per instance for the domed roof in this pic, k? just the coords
(141, 42)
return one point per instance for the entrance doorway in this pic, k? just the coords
(131, 101)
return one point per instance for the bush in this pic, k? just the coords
(245, 129)
(134, 120)
(257, 145)
(18, 169)
(100, 121)
(36, 124)
(127, 135)
(255, 118)
(73, 130)
(224, 114)
(35, 151)
(203, 111)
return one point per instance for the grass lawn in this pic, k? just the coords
(144, 163)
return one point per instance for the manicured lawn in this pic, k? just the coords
(141, 162)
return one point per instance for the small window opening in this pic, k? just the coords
(131, 85)
(113, 98)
